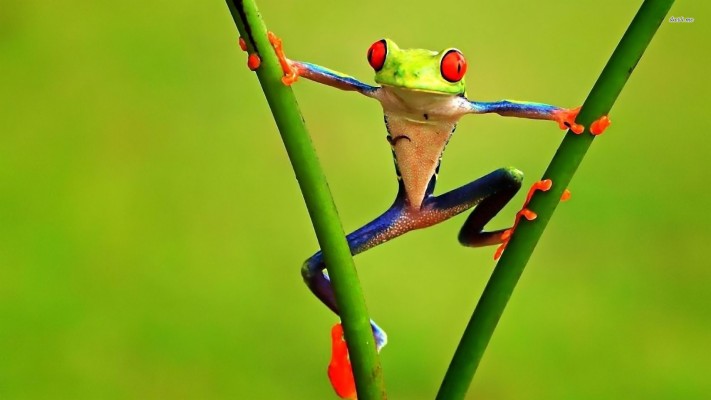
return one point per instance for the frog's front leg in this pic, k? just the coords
(565, 117)
(293, 69)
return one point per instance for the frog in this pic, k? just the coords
(423, 97)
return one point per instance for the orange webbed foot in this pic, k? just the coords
(340, 372)
(566, 119)
(543, 185)
(291, 74)
(599, 125)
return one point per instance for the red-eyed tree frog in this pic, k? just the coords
(422, 93)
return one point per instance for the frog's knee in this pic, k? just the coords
(307, 271)
(311, 267)
(514, 174)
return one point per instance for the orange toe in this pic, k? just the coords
(253, 61)
(565, 196)
(566, 120)
(599, 126)
(291, 74)
(340, 372)
(543, 185)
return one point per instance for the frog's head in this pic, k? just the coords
(418, 69)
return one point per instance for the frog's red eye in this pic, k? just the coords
(377, 53)
(453, 66)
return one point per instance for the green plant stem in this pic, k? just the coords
(561, 169)
(336, 253)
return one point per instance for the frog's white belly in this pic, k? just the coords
(420, 125)
(418, 149)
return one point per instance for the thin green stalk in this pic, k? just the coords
(341, 269)
(561, 169)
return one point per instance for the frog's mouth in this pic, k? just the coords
(394, 140)
(427, 106)
(415, 89)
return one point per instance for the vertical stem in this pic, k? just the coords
(336, 253)
(561, 169)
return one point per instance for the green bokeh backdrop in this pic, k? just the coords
(151, 230)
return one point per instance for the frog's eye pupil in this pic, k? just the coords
(377, 53)
(453, 66)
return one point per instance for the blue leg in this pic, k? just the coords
(523, 109)
(333, 78)
(378, 231)
(293, 69)
(512, 108)
(489, 194)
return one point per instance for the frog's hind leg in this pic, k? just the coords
(488, 195)
(392, 223)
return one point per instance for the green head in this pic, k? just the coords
(418, 69)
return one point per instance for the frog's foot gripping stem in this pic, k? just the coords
(372, 234)
(291, 73)
(566, 119)
(544, 186)
(340, 372)
(599, 125)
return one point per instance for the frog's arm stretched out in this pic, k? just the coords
(422, 93)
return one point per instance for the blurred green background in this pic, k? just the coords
(152, 231)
